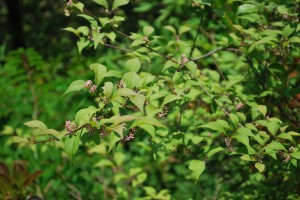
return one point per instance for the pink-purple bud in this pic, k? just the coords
(93, 88)
(88, 84)
(70, 127)
(128, 137)
(69, 3)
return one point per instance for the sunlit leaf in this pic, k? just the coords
(75, 86)
(197, 168)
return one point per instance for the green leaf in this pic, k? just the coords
(234, 118)
(265, 40)
(169, 98)
(79, 6)
(108, 89)
(18, 139)
(192, 67)
(72, 30)
(100, 72)
(75, 86)
(133, 65)
(36, 124)
(251, 127)
(245, 131)
(124, 92)
(293, 133)
(140, 178)
(117, 119)
(111, 36)
(294, 39)
(82, 43)
(197, 168)
(171, 29)
(287, 31)
(150, 191)
(133, 80)
(296, 155)
(137, 42)
(213, 126)
(260, 167)
(274, 146)
(285, 136)
(214, 151)
(118, 129)
(148, 30)
(242, 138)
(98, 37)
(273, 127)
(102, 3)
(183, 29)
(147, 120)
(282, 9)
(246, 8)
(113, 73)
(71, 145)
(247, 157)
(113, 139)
(138, 101)
(84, 115)
(262, 109)
(104, 163)
(54, 133)
(118, 3)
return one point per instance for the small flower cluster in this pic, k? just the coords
(285, 156)
(89, 85)
(70, 127)
(228, 141)
(121, 84)
(239, 106)
(184, 59)
(163, 113)
(103, 133)
(130, 136)
(291, 149)
(68, 4)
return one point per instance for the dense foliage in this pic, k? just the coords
(180, 100)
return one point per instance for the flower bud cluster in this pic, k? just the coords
(70, 127)
(89, 85)
(228, 141)
(121, 84)
(130, 136)
(184, 59)
(67, 7)
(163, 113)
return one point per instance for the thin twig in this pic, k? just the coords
(195, 39)
(31, 86)
(208, 54)
(148, 47)
(116, 47)
(162, 55)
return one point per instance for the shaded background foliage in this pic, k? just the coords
(54, 62)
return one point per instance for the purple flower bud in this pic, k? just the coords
(69, 3)
(88, 84)
(70, 127)
(93, 88)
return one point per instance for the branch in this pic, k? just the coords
(208, 54)
(31, 86)
(116, 47)
(162, 55)
(198, 30)
(214, 51)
